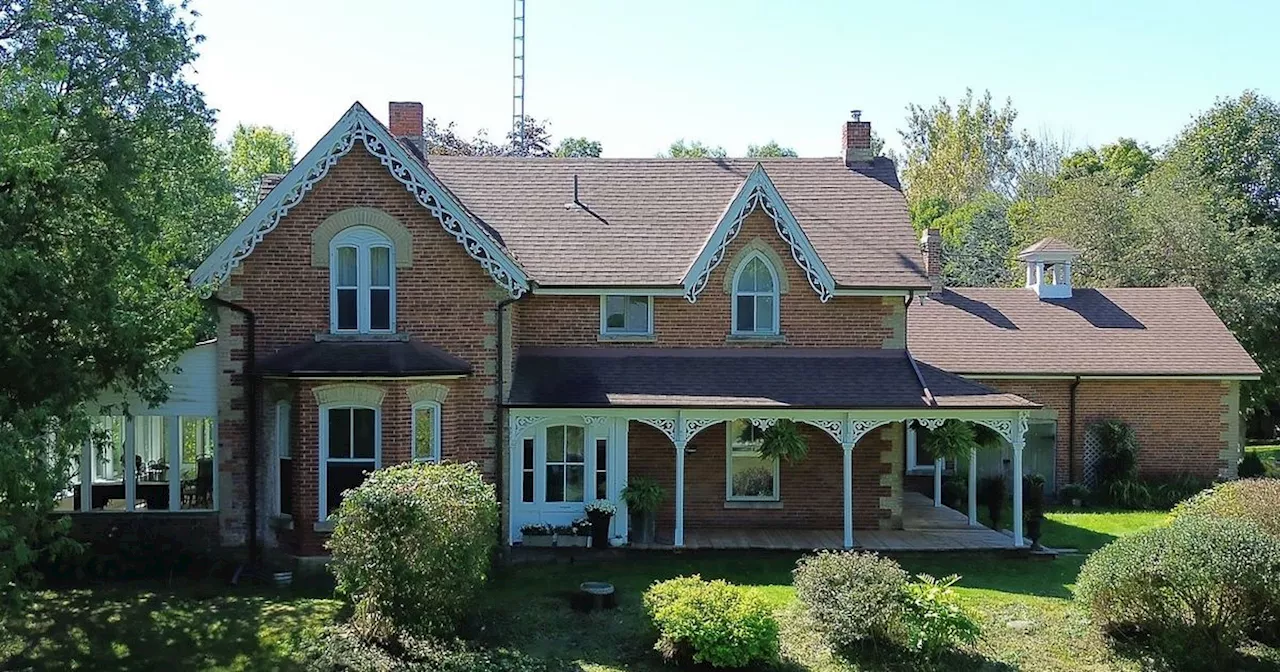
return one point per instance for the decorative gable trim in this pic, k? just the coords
(357, 125)
(756, 245)
(758, 192)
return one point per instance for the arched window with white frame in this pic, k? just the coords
(426, 431)
(755, 297)
(362, 297)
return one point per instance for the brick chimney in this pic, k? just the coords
(857, 140)
(405, 121)
(931, 248)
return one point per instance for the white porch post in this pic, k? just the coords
(680, 442)
(973, 487)
(938, 466)
(847, 444)
(129, 470)
(1019, 442)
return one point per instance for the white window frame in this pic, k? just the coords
(604, 316)
(588, 474)
(323, 504)
(913, 464)
(434, 407)
(364, 239)
(171, 433)
(283, 451)
(737, 276)
(729, 453)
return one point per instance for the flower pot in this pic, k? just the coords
(572, 541)
(1033, 529)
(644, 527)
(599, 529)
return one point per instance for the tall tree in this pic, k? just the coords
(680, 149)
(959, 152)
(1125, 161)
(770, 150)
(577, 148)
(256, 151)
(108, 176)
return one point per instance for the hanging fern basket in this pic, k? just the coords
(783, 441)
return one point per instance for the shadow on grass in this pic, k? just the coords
(133, 627)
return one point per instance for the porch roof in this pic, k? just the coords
(845, 378)
(392, 358)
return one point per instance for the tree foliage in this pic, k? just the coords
(770, 150)
(680, 149)
(256, 151)
(577, 148)
(959, 152)
(110, 186)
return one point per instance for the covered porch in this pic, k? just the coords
(581, 423)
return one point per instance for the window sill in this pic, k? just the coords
(745, 504)
(325, 526)
(627, 338)
(756, 338)
(328, 337)
(281, 521)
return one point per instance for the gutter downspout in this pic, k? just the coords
(500, 430)
(1071, 431)
(251, 400)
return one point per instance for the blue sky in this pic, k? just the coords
(637, 75)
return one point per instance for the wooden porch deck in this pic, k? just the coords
(926, 528)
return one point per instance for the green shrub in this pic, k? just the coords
(1117, 451)
(1074, 491)
(342, 649)
(1251, 466)
(711, 622)
(1168, 490)
(851, 598)
(1128, 493)
(412, 547)
(933, 620)
(1192, 591)
(991, 494)
(1255, 499)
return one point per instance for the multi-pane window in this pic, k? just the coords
(350, 442)
(602, 468)
(144, 463)
(565, 464)
(284, 458)
(527, 471)
(748, 475)
(755, 298)
(362, 277)
(624, 315)
(426, 432)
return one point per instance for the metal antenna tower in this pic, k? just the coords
(517, 79)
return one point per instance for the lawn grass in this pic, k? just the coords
(1268, 453)
(1024, 606)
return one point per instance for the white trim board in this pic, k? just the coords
(1060, 376)
(757, 191)
(358, 125)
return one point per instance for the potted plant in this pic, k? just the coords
(643, 496)
(1075, 493)
(783, 441)
(955, 489)
(991, 493)
(566, 536)
(539, 535)
(600, 513)
(580, 530)
(1033, 506)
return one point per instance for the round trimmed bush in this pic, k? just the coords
(711, 622)
(1254, 499)
(412, 547)
(851, 597)
(1193, 590)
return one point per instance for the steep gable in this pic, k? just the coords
(358, 126)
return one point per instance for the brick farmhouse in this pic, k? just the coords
(571, 324)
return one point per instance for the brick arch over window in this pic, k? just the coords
(747, 251)
(373, 218)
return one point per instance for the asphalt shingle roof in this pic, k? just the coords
(337, 359)
(740, 378)
(647, 219)
(1132, 331)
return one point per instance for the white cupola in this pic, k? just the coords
(1049, 268)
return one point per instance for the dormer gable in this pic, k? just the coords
(1048, 263)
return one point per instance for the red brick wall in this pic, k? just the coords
(442, 299)
(812, 490)
(1179, 423)
(805, 320)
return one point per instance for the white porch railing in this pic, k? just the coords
(845, 427)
